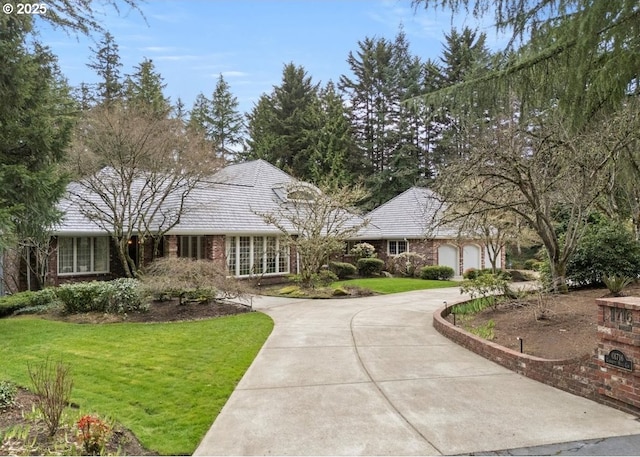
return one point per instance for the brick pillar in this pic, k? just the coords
(171, 246)
(218, 250)
(618, 353)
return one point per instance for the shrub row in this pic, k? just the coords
(23, 302)
(118, 296)
(436, 272)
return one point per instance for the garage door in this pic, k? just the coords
(470, 257)
(448, 256)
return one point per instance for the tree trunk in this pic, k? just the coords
(559, 276)
(123, 256)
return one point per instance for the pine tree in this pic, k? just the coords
(333, 148)
(144, 89)
(390, 133)
(227, 124)
(464, 56)
(200, 114)
(281, 124)
(36, 112)
(106, 63)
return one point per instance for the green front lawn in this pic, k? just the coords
(165, 382)
(394, 285)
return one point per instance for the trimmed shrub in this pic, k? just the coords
(325, 277)
(406, 264)
(12, 303)
(28, 302)
(470, 273)
(370, 266)
(339, 292)
(118, 297)
(437, 272)
(343, 269)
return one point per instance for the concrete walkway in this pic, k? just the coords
(370, 376)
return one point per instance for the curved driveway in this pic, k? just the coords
(370, 376)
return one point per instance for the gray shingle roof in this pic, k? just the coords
(412, 214)
(225, 203)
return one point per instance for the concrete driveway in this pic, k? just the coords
(370, 376)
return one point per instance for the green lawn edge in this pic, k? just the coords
(166, 382)
(394, 285)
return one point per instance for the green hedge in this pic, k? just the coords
(343, 269)
(436, 272)
(370, 266)
(24, 301)
(119, 296)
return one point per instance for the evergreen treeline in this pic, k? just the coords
(363, 128)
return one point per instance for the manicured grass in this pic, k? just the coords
(165, 382)
(395, 285)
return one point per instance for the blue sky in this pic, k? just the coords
(192, 42)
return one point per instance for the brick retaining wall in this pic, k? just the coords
(583, 376)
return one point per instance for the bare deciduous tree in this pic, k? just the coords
(135, 174)
(544, 173)
(316, 223)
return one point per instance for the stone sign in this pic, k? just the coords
(618, 359)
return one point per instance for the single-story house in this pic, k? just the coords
(410, 223)
(222, 222)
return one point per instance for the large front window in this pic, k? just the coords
(83, 255)
(254, 255)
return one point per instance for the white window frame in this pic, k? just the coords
(74, 246)
(282, 253)
(406, 242)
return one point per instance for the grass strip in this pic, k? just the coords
(394, 285)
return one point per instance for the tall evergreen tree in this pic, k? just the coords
(35, 129)
(464, 56)
(106, 63)
(227, 124)
(281, 124)
(333, 159)
(200, 114)
(389, 133)
(144, 89)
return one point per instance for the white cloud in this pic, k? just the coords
(159, 48)
(234, 74)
